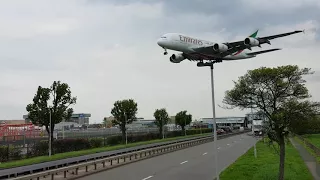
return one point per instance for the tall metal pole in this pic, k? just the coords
(214, 124)
(185, 124)
(252, 117)
(162, 128)
(50, 133)
(126, 129)
(63, 128)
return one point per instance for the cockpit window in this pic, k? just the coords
(163, 37)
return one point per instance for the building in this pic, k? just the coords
(226, 121)
(12, 122)
(255, 116)
(172, 120)
(81, 118)
(141, 122)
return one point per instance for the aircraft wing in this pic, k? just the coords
(261, 52)
(233, 47)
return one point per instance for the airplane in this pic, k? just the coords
(195, 49)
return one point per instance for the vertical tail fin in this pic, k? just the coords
(254, 35)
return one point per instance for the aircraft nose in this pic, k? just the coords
(159, 42)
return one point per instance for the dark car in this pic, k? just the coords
(226, 129)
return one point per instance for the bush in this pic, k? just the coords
(4, 155)
(96, 142)
(8, 153)
(38, 149)
(114, 140)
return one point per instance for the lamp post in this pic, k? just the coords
(211, 63)
(125, 115)
(185, 124)
(252, 118)
(162, 127)
(50, 125)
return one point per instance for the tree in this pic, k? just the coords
(106, 122)
(183, 119)
(124, 112)
(162, 119)
(279, 93)
(39, 110)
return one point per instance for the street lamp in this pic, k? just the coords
(125, 115)
(211, 63)
(50, 125)
(162, 127)
(252, 117)
(185, 124)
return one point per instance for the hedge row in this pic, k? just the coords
(9, 153)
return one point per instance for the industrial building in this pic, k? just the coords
(80, 118)
(226, 121)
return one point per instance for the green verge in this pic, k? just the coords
(266, 166)
(41, 159)
(313, 138)
(307, 148)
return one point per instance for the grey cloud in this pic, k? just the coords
(86, 55)
(236, 16)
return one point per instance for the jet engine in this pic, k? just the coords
(220, 47)
(249, 41)
(177, 58)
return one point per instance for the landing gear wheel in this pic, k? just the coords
(165, 53)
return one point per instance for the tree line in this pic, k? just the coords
(279, 93)
(124, 112)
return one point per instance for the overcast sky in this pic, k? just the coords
(106, 50)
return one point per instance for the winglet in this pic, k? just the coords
(254, 35)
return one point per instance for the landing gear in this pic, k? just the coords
(165, 51)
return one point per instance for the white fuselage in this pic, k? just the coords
(183, 43)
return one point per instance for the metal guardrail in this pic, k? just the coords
(103, 163)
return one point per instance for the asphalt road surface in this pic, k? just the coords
(195, 163)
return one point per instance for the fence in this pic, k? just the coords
(29, 149)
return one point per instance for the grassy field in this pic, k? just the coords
(315, 140)
(266, 166)
(41, 159)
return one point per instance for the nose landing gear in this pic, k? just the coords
(165, 51)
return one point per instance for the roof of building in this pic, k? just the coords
(224, 120)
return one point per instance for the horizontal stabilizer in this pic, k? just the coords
(261, 52)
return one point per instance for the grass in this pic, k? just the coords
(307, 148)
(313, 138)
(266, 166)
(41, 159)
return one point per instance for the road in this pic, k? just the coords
(187, 164)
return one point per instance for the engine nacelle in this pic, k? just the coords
(220, 47)
(177, 58)
(249, 41)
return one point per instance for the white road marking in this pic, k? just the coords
(147, 178)
(228, 144)
(218, 148)
(205, 153)
(184, 162)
